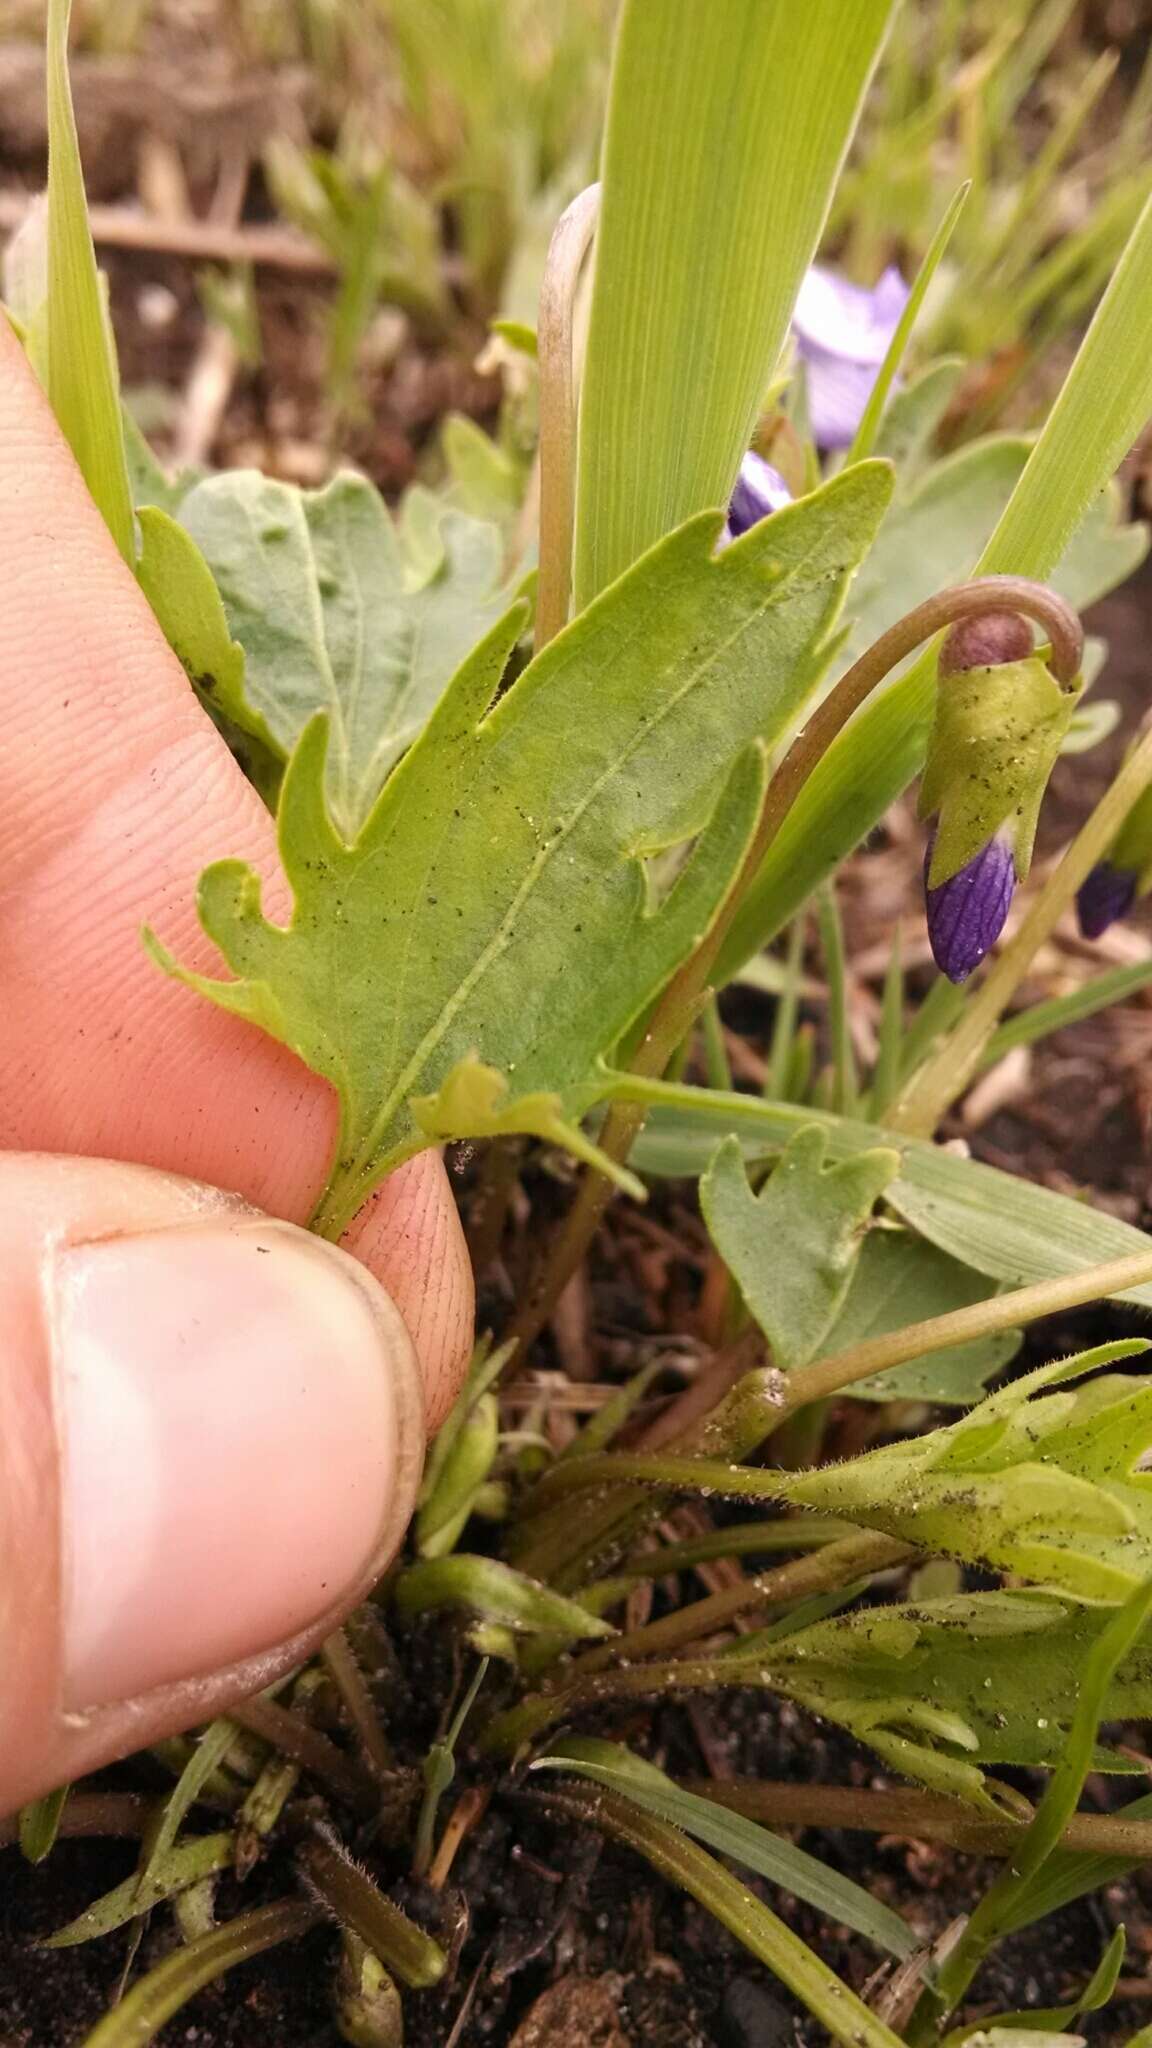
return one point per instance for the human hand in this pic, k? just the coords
(212, 1422)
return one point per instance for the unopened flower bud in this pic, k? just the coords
(966, 913)
(1124, 874)
(1001, 719)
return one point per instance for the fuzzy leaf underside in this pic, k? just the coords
(1045, 1487)
(792, 1247)
(496, 901)
(332, 616)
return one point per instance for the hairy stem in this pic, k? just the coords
(836, 1564)
(678, 1006)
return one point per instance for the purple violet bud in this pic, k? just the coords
(759, 490)
(1106, 894)
(842, 333)
(966, 914)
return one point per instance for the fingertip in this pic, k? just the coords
(409, 1235)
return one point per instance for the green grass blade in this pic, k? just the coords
(726, 132)
(787, 1013)
(1044, 1018)
(869, 427)
(734, 1836)
(886, 1075)
(209, 1752)
(845, 2016)
(839, 1026)
(186, 1864)
(1105, 401)
(83, 385)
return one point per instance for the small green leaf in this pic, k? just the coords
(1009, 1228)
(495, 1593)
(474, 1101)
(211, 1749)
(497, 901)
(40, 1824)
(741, 1840)
(902, 1279)
(182, 592)
(185, 1864)
(792, 1248)
(446, 1503)
(83, 382)
(486, 482)
(1045, 1487)
(316, 590)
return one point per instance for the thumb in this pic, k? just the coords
(212, 1439)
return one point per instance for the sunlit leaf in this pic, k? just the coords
(496, 901)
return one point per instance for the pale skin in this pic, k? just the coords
(212, 1425)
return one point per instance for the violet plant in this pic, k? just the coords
(749, 638)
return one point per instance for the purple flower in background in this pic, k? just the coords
(759, 489)
(842, 332)
(966, 913)
(1106, 894)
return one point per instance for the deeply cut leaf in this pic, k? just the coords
(332, 616)
(792, 1247)
(1042, 1487)
(942, 1688)
(496, 901)
(1008, 1228)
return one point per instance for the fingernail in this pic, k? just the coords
(239, 1419)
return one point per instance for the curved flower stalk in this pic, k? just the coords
(1001, 718)
(1122, 876)
(843, 332)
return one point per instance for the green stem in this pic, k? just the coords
(677, 1007)
(946, 1075)
(817, 1987)
(139, 2017)
(836, 1564)
(567, 250)
(980, 1319)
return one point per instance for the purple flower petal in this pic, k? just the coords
(759, 489)
(842, 332)
(966, 914)
(1106, 894)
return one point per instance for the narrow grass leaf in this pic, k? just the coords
(494, 1593)
(83, 384)
(734, 1836)
(186, 1864)
(718, 117)
(166, 1990)
(868, 430)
